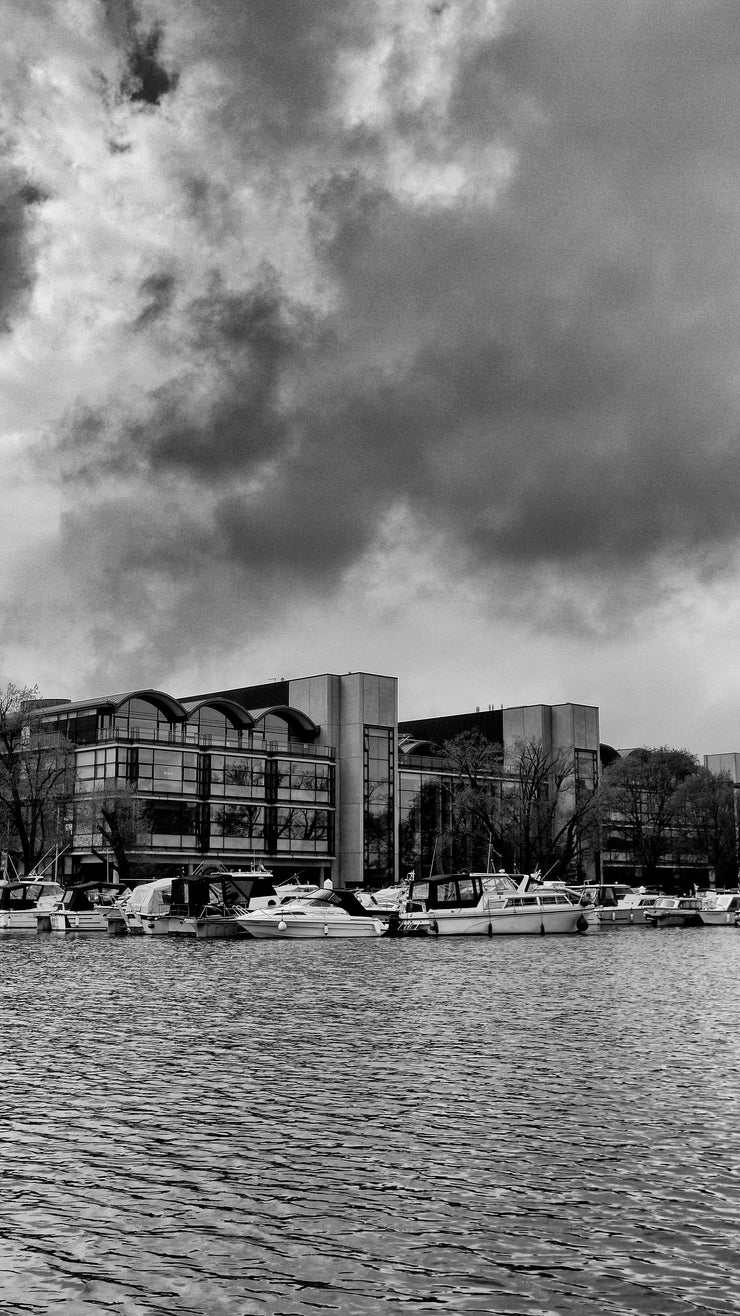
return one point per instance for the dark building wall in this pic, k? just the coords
(251, 696)
(439, 729)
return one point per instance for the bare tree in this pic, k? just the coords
(475, 818)
(705, 806)
(525, 811)
(638, 802)
(544, 818)
(35, 778)
(115, 816)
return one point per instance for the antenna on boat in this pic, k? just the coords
(434, 851)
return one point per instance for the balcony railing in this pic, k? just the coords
(189, 740)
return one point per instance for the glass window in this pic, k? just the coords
(237, 827)
(237, 776)
(139, 719)
(303, 780)
(168, 824)
(304, 829)
(211, 724)
(379, 805)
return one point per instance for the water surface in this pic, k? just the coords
(522, 1125)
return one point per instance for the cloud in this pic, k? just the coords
(293, 273)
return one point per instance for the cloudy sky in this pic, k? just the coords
(358, 334)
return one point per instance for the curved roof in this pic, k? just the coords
(236, 713)
(166, 704)
(295, 717)
(413, 745)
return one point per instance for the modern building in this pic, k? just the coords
(567, 734)
(299, 774)
(312, 775)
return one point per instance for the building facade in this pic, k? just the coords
(567, 741)
(312, 776)
(299, 775)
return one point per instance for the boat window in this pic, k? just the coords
(446, 893)
(468, 894)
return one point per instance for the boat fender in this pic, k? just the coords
(282, 925)
(435, 927)
(326, 929)
(542, 926)
(582, 923)
(490, 928)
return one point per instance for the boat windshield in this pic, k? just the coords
(339, 899)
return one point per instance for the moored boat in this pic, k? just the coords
(235, 892)
(486, 904)
(26, 904)
(84, 908)
(320, 914)
(720, 909)
(674, 912)
(167, 906)
(621, 906)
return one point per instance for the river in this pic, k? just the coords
(537, 1126)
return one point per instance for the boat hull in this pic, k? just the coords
(86, 921)
(24, 920)
(167, 925)
(217, 928)
(621, 918)
(719, 918)
(508, 922)
(305, 929)
(673, 920)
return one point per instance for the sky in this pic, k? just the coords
(344, 335)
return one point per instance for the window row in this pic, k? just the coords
(177, 824)
(183, 772)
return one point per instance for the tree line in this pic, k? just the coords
(658, 809)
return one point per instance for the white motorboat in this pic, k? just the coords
(720, 909)
(384, 902)
(320, 914)
(619, 905)
(236, 891)
(674, 912)
(486, 904)
(84, 908)
(205, 903)
(26, 904)
(167, 906)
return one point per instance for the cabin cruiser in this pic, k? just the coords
(26, 903)
(167, 906)
(384, 902)
(235, 892)
(84, 908)
(205, 903)
(720, 909)
(486, 904)
(619, 905)
(674, 912)
(324, 913)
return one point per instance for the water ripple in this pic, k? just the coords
(282, 1130)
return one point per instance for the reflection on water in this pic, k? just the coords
(517, 1126)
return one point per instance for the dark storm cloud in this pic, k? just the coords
(148, 77)
(17, 199)
(278, 63)
(543, 368)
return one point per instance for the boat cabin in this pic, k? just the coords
(85, 896)
(27, 895)
(319, 900)
(446, 891)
